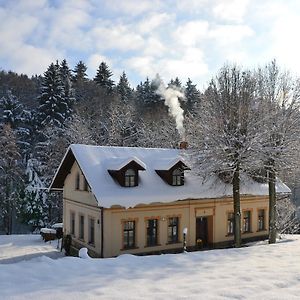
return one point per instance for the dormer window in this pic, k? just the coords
(172, 172)
(177, 177)
(130, 177)
(126, 171)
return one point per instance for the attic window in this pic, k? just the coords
(130, 178)
(126, 172)
(172, 172)
(177, 177)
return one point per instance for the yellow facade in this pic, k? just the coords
(215, 211)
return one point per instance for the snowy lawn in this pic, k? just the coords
(256, 272)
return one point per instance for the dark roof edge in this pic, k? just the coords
(62, 171)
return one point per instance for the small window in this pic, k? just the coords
(72, 223)
(261, 219)
(130, 175)
(230, 223)
(177, 177)
(173, 224)
(85, 185)
(246, 221)
(81, 227)
(152, 232)
(77, 182)
(129, 235)
(91, 231)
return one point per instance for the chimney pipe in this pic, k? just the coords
(183, 145)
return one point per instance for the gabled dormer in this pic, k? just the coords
(126, 171)
(173, 172)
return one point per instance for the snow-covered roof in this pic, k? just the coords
(94, 161)
(117, 163)
(167, 163)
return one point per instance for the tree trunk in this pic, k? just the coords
(237, 207)
(272, 207)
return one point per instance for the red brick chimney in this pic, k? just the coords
(183, 145)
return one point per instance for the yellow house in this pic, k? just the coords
(120, 200)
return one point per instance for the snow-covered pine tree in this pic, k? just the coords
(278, 102)
(223, 131)
(53, 107)
(103, 77)
(175, 83)
(192, 95)
(80, 72)
(33, 207)
(124, 89)
(10, 176)
(69, 95)
(10, 110)
(12, 113)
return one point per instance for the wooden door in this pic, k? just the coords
(201, 232)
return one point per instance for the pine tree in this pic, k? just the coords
(124, 88)
(175, 83)
(65, 74)
(80, 72)
(10, 110)
(33, 206)
(53, 108)
(192, 95)
(103, 77)
(12, 113)
(10, 176)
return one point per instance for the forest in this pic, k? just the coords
(244, 121)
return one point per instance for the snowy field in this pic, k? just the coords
(257, 272)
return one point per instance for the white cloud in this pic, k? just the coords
(154, 47)
(132, 7)
(118, 37)
(143, 65)
(191, 33)
(190, 64)
(285, 43)
(231, 10)
(229, 34)
(154, 21)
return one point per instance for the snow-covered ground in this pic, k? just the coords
(257, 272)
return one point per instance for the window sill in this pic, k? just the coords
(247, 232)
(229, 234)
(262, 230)
(150, 246)
(131, 248)
(174, 243)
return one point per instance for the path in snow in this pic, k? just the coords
(15, 248)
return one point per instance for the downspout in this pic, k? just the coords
(102, 232)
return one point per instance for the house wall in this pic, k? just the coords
(216, 210)
(188, 210)
(82, 203)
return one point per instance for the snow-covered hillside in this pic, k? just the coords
(256, 272)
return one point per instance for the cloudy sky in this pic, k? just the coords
(184, 38)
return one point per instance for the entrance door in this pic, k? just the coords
(201, 232)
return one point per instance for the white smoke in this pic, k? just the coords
(171, 95)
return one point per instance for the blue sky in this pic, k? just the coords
(173, 38)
